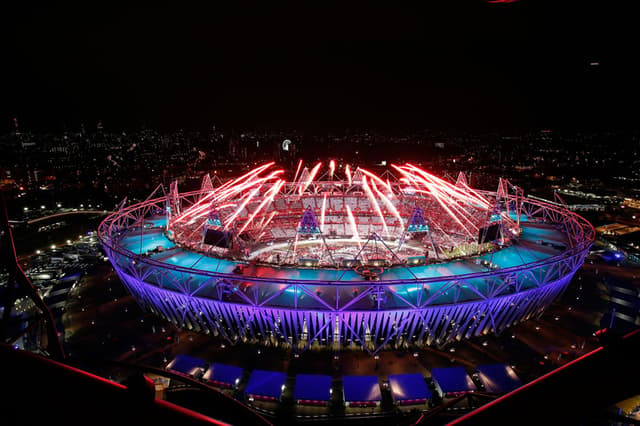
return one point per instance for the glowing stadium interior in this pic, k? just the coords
(331, 222)
(364, 261)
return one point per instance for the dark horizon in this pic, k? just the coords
(480, 67)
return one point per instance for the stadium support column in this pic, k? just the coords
(462, 181)
(418, 224)
(174, 198)
(336, 333)
(207, 186)
(167, 210)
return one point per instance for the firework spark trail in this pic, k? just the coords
(295, 247)
(252, 194)
(375, 178)
(223, 206)
(254, 182)
(252, 173)
(456, 200)
(297, 170)
(449, 188)
(482, 199)
(201, 205)
(354, 227)
(452, 196)
(314, 172)
(456, 193)
(245, 177)
(374, 203)
(451, 213)
(238, 184)
(216, 191)
(270, 194)
(460, 212)
(250, 183)
(324, 204)
(388, 203)
(312, 176)
(250, 180)
(257, 184)
(434, 191)
(444, 193)
(261, 223)
(262, 227)
(439, 194)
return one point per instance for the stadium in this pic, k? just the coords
(345, 258)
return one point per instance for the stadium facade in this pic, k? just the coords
(345, 258)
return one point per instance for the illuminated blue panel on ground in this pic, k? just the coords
(312, 387)
(498, 378)
(222, 373)
(361, 389)
(407, 387)
(265, 383)
(186, 364)
(453, 379)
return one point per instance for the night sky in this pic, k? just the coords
(469, 66)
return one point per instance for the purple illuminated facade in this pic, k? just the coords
(412, 290)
